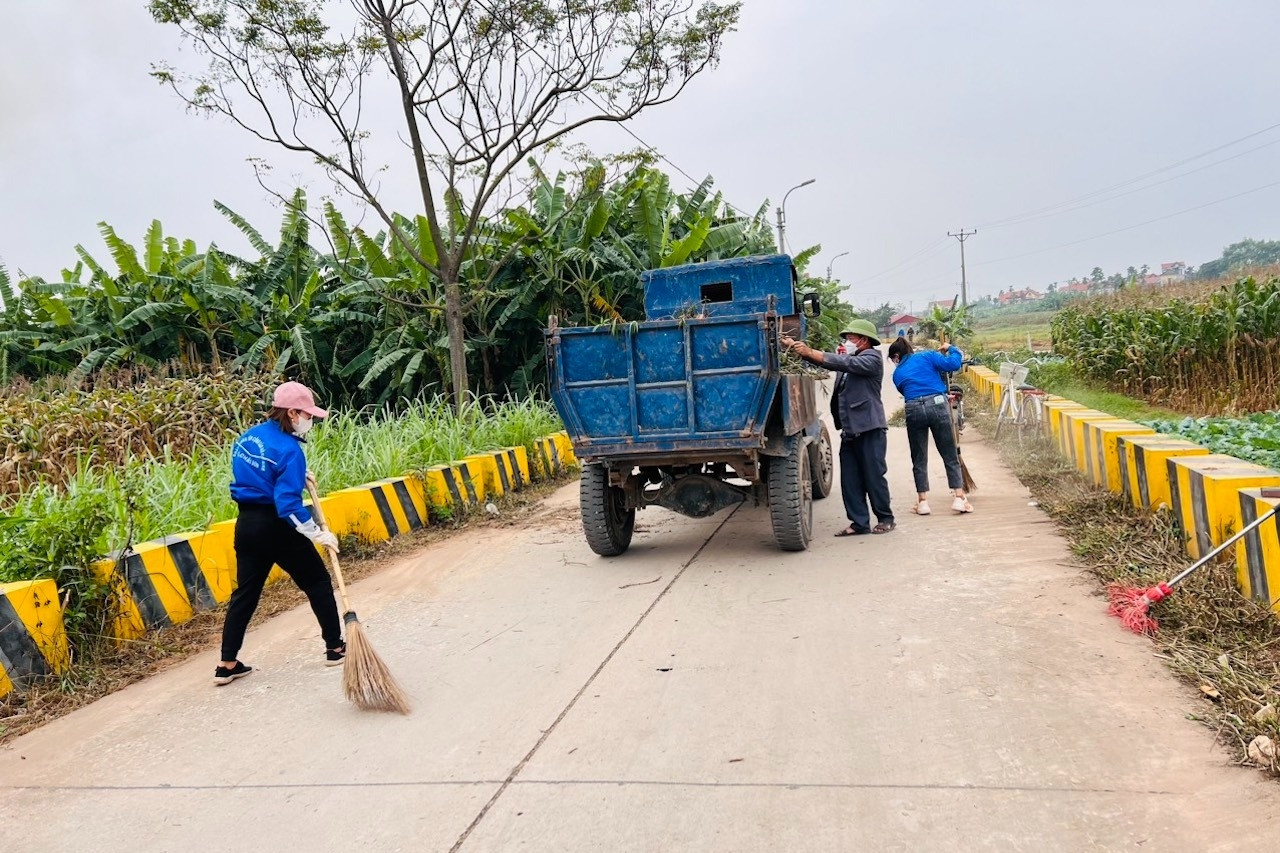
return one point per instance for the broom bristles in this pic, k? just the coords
(367, 681)
(1132, 606)
(969, 484)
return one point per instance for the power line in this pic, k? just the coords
(1130, 227)
(1010, 219)
(1141, 188)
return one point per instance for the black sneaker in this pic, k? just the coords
(334, 657)
(223, 675)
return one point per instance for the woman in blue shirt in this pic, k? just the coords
(268, 475)
(921, 378)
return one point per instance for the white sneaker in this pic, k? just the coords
(962, 505)
(922, 508)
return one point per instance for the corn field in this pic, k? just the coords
(1205, 351)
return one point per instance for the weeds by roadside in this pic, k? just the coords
(1225, 646)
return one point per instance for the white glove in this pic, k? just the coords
(318, 535)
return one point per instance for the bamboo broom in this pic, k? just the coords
(366, 680)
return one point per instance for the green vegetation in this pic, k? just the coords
(1255, 438)
(1215, 352)
(1005, 329)
(360, 321)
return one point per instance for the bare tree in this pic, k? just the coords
(481, 85)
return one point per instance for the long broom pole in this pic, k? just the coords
(366, 680)
(969, 484)
(1133, 604)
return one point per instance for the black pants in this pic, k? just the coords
(862, 478)
(932, 415)
(262, 540)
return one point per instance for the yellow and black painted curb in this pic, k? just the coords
(1210, 495)
(165, 582)
(33, 643)
(1258, 554)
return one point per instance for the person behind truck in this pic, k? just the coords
(921, 378)
(863, 428)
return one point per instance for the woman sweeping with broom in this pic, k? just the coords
(269, 474)
(921, 378)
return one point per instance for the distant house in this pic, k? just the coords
(944, 304)
(1151, 280)
(1075, 287)
(899, 322)
(1173, 272)
(1019, 297)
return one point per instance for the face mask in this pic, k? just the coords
(303, 426)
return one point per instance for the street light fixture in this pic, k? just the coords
(782, 216)
(833, 260)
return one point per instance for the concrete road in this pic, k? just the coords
(950, 686)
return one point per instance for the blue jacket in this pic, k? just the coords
(268, 467)
(858, 389)
(921, 373)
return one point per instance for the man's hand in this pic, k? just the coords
(944, 348)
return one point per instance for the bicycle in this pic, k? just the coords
(1021, 405)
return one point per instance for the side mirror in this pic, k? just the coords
(812, 307)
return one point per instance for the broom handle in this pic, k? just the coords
(318, 512)
(1244, 531)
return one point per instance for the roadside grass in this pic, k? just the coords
(1009, 331)
(113, 665)
(1111, 402)
(1221, 644)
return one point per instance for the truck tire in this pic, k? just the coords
(606, 521)
(822, 464)
(791, 496)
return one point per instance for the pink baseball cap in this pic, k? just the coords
(295, 395)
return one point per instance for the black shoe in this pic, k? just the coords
(223, 675)
(334, 657)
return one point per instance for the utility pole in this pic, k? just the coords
(833, 260)
(963, 235)
(782, 216)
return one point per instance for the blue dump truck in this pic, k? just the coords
(690, 409)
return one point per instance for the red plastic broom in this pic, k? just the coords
(1133, 604)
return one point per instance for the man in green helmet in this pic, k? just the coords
(863, 428)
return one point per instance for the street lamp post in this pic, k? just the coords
(833, 260)
(782, 216)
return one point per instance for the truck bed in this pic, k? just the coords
(665, 386)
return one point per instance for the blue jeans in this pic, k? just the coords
(862, 478)
(927, 415)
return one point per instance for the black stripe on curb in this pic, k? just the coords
(468, 483)
(1126, 491)
(406, 503)
(143, 589)
(18, 646)
(451, 480)
(555, 455)
(384, 510)
(514, 459)
(1256, 567)
(1200, 514)
(198, 591)
(503, 477)
(1140, 464)
(1175, 497)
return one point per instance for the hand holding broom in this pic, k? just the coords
(367, 682)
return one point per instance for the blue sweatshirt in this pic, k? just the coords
(921, 373)
(268, 467)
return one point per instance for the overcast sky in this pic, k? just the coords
(916, 118)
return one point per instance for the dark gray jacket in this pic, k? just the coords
(858, 381)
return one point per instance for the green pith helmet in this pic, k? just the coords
(865, 328)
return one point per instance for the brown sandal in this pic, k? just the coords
(883, 527)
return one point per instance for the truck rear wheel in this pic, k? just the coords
(791, 496)
(822, 464)
(606, 521)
